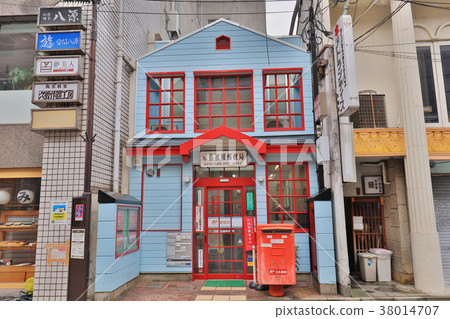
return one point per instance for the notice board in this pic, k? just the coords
(179, 249)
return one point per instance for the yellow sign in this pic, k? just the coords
(54, 119)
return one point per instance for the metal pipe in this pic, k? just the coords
(118, 118)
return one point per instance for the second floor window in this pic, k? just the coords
(223, 100)
(434, 71)
(165, 110)
(283, 100)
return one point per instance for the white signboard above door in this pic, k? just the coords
(223, 159)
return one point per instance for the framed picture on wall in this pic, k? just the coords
(372, 185)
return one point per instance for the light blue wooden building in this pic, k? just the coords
(224, 136)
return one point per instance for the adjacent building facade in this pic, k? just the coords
(400, 138)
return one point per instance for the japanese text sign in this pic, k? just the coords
(56, 16)
(57, 66)
(59, 41)
(345, 67)
(55, 92)
(249, 233)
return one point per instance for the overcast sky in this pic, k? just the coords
(279, 23)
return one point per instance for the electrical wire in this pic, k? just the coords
(427, 4)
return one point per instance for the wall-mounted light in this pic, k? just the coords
(187, 179)
(150, 172)
(261, 178)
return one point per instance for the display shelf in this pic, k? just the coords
(15, 274)
(17, 247)
(18, 228)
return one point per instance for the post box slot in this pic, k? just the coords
(277, 252)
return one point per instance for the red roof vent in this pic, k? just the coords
(223, 43)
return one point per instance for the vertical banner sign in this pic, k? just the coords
(249, 200)
(249, 233)
(345, 67)
(198, 218)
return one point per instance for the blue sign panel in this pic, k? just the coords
(59, 41)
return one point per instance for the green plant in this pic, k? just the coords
(21, 79)
(297, 259)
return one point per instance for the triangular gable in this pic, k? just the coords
(258, 145)
(217, 22)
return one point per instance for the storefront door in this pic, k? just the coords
(224, 233)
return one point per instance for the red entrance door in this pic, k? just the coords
(224, 233)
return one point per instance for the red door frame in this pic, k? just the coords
(223, 276)
(216, 183)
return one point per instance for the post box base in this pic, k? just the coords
(276, 290)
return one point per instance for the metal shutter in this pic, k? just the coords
(441, 192)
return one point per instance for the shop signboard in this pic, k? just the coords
(56, 92)
(55, 119)
(249, 233)
(60, 16)
(223, 159)
(225, 222)
(60, 41)
(58, 66)
(345, 67)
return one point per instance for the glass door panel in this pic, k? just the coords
(225, 232)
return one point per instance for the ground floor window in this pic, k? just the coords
(127, 230)
(287, 191)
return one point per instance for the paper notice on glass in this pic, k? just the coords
(358, 223)
(77, 250)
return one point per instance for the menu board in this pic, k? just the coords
(179, 249)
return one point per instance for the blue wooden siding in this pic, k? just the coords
(153, 252)
(111, 272)
(326, 264)
(161, 203)
(249, 51)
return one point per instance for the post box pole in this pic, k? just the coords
(254, 264)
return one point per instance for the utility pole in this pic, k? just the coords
(79, 266)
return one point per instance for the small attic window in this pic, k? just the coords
(223, 43)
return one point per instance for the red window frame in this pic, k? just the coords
(291, 212)
(223, 43)
(138, 233)
(224, 116)
(288, 100)
(160, 104)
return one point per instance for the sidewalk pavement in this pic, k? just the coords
(195, 291)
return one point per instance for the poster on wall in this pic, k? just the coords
(249, 233)
(58, 212)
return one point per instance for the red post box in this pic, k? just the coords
(276, 257)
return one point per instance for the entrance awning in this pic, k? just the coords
(225, 134)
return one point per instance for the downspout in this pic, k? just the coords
(118, 119)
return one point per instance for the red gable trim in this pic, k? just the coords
(258, 145)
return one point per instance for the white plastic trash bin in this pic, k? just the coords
(368, 266)
(383, 263)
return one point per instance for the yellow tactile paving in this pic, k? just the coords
(238, 288)
(221, 298)
(208, 288)
(223, 288)
(204, 298)
(238, 298)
